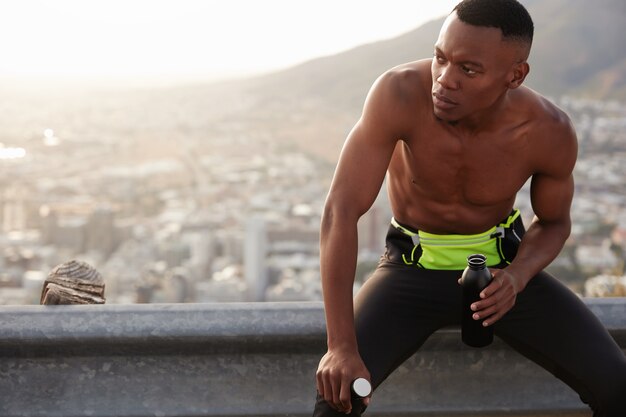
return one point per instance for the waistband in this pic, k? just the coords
(450, 251)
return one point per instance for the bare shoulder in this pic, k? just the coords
(547, 114)
(406, 82)
(396, 96)
(552, 134)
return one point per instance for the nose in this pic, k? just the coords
(446, 78)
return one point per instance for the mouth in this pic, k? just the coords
(443, 102)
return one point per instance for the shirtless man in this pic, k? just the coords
(458, 135)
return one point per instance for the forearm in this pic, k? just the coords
(338, 253)
(541, 244)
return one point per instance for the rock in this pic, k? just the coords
(73, 282)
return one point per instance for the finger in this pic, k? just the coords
(486, 313)
(484, 303)
(489, 321)
(324, 390)
(335, 394)
(492, 288)
(502, 300)
(328, 392)
(494, 314)
(345, 396)
(496, 281)
(319, 379)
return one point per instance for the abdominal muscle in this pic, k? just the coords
(446, 199)
(447, 218)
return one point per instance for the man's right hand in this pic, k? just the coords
(336, 371)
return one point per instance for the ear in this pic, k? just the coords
(518, 74)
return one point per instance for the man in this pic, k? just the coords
(458, 135)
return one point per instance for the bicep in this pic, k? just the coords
(361, 169)
(552, 185)
(368, 149)
(551, 197)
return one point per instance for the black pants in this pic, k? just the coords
(400, 306)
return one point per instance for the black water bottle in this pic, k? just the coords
(475, 278)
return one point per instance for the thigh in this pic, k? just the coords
(397, 309)
(552, 326)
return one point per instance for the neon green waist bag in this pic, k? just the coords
(450, 252)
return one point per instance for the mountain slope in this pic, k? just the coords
(579, 49)
(575, 41)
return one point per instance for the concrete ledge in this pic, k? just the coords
(162, 329)
(247, 360)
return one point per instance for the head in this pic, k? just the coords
(480, 55)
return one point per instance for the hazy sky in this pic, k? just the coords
(192, 38)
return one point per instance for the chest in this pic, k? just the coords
(481, 170)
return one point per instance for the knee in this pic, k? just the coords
(322, 409)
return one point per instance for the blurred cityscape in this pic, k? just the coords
(228, 213)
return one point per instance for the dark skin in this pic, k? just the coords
(456, 136)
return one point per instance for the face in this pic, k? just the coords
(472, 68)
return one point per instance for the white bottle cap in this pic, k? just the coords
(361, 387)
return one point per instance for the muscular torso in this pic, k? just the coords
(443, 180)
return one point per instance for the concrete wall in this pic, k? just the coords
(246, 360)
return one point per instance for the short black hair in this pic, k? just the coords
(507, 15)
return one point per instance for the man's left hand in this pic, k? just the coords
(497, 298)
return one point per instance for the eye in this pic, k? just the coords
(439, 58)
(468, 70)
